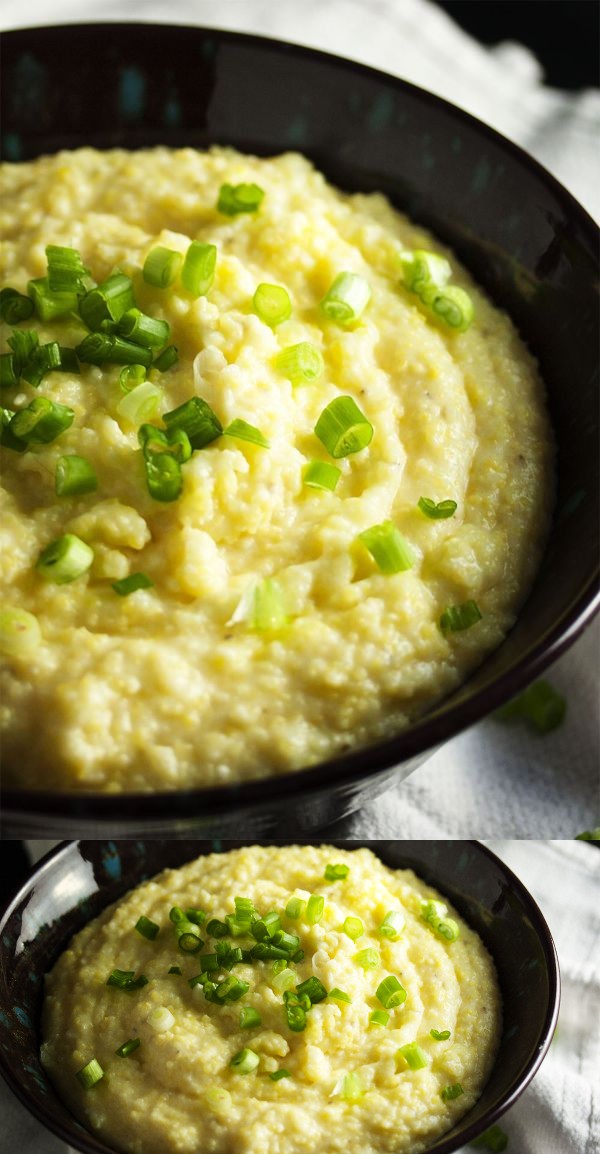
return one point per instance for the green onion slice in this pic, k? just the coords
(390, 551)
(450, 1092)
(435, 914)
(198, 270)
(100, 348)
(277, 1075)
(20, 632)
(9, 371)
(128, 1048)
(315, 908)
(141, 403)
(161, 266)
(126, 980)
(175, 970)
(392, 925)
(342, 428)
(242, 431)
(74, 476)
(321, 475)
(336, 872)
(540, 704)
(23, 342)
(245, 1061)
(458, 617)
(151, 332)
(422, 269)
(15, 307)
(50, 305)
(301, 364)
(272, 304)
(379, 1018)
(7, 437)
(368, 959)
(160, 1019)
(440, 1035)
(64, 559)
(439, 511)
(295, 908)
(339, 996)
(197, 419)
(44, 359)
(414, 1056)
(249, 1017)
(41, 421)
(313, 989)
(296, 1017)
(132, 583)
(108, 301)
(454, 306)
(166, 359)
(347, 298)
(350, 1087)
(130, 376)
(268, 611)
(589, 835)
(90, 1074)
(390, 992)
(353, 928)
(147, 928)
(66, 272)
(236, 198)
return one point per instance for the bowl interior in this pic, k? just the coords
(523, 236)
(80, 879)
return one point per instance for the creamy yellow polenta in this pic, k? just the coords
(174, 685)
(350, 1088)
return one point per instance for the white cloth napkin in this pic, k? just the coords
(559, 1113)
(492, 780)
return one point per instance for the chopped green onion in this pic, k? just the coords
(267, 950)
(151, 332)
(50, 305)
(89, 1074)
(313, 989)
(7, 437)
(68, 361)
(218, 1100)
(390, 992)
(285, 979)
(295, 908)
(106, 348)
(421, 270)
(368, 959)
(392, 925)
(353, 928)
(189, 942)
(450, 1092)
(439, 511)
(41, 421)
(301, 364)
(413, 1055)
(277, 1075)
(197, 419)
(198, 270)
(342, 428)
(457, 617)
(108, 301)
(177, 915)
(195, 915)
(379, 1018)
(44, 359)
(161, 266)
(166, 359)
(125, 980)
(336, 872)
(350, 1087)
(175, 970)
(454, 306)
(130, 376)
(160, 1019)
(296, 1017)
(321, 475)
(74, 476)
(209, 964)
(64, 559)
(493, 1139)
(245, 432)
(315, 907)
(589, 835)
(154, 442)
(23, 342)
(272, 304)
(265, 927)
(249, 1017)
(236, 198)
(539, 704)
(9, 377)
(440, 1035)
(128, 1047)
(126, 585)
(141, 403)
(14, 306)
(268, 609)
(347, 298)
(289, 942)
(434, 913)
(390, 551)
(66, 272)
(216, 929)
(339, 996)
(147, 928)
(20, 632)
(245, 1061)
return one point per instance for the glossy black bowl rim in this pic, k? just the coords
(435, 728)
(444, 1145)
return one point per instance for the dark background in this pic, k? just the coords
(565, 37)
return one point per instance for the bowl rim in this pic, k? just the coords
(445, 720)
(445, 1144)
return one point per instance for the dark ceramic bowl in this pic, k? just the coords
(79, 879)
(522, 236)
